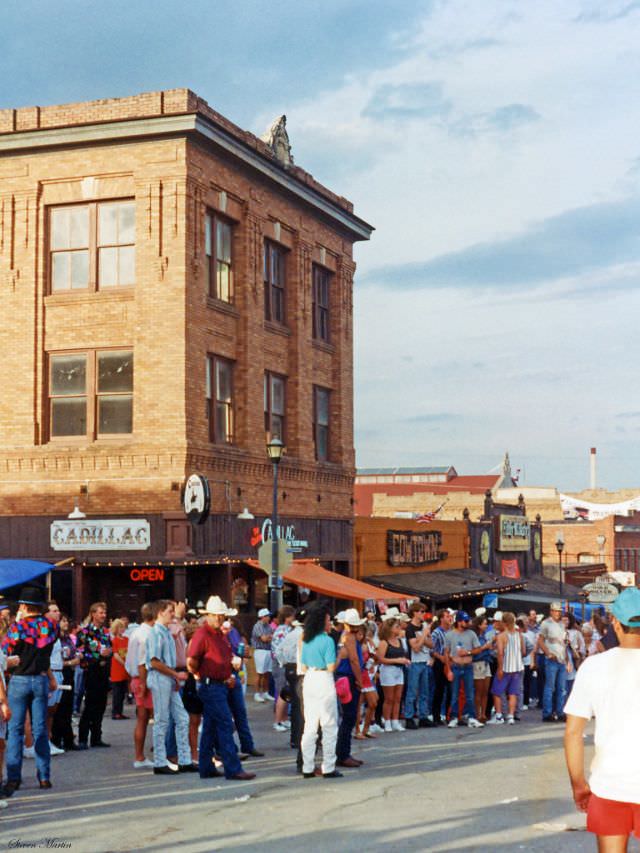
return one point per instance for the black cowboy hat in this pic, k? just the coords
(34, 595)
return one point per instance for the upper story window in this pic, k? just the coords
(218, 240)
(275, 406)
(274, 282)
(220, 399)
(321, 408)
(91, 394)
(320, 307)
(92, 246)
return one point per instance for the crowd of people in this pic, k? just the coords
(329, 679)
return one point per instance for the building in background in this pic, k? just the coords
(173, 290)
(405, 492)
(459, 563)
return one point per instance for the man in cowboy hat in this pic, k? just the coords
(210, 660)
(31, 637)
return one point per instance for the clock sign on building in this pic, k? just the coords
(197, 499)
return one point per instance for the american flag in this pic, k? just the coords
(427, 517)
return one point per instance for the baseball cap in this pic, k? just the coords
(462, 616)
(555, 605)
(263, 612)
(626, 607)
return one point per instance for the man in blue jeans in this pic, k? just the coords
(552, 642)
(461, 644)
(210, 661)
(30, 638)
(416, 703)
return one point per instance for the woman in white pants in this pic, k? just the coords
(318, 661)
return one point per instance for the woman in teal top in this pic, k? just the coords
(318, 661)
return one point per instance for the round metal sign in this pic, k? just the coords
(601, 592)
(197, 499)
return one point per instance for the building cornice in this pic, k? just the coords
(190, 125)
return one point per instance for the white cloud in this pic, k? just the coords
(546, 95)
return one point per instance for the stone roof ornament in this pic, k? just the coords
(277, 139)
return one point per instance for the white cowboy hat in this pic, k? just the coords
(480, 611)
(339, 617)
(352, 618)
(394, 613)
(215, 606)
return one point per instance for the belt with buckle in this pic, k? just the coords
(207, 681)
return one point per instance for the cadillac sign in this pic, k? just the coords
(122, 534)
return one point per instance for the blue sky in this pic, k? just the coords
(494, 146)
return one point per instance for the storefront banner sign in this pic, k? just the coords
(510, 569)
(284, 532)
(514, 533)
(409, 548)
(122, 534)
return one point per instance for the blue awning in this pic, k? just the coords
(14, 572)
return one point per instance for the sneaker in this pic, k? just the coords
(55, 750)
(280, 727)
(287, 724)
(397, 726)
(267, 697)
(139, 765)
(511, 720)
(258, 697)
(410, 724)
(4, 804)
(387, 726)
(375, 728)
(498, 720)
(29, 752)
(453, 723)
(525, 707)
(472, 723)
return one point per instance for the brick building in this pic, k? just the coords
(172, 290)
(594, 547)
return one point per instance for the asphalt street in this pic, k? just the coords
(499, 788)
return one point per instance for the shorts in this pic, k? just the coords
(54, 698)
(262, 661)
(510, 683)
(391, 675)
(147, 701)
(611, 817)
(481, 669)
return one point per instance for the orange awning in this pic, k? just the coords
(313, 576)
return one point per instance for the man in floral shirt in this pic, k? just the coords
(94, 650)
(30, 638)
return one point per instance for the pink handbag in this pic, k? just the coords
(343, 690)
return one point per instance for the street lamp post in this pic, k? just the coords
(601, 539)
(560, 549)
(275, 450)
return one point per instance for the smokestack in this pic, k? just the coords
(592, 459)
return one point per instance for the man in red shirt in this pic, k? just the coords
(209, 659)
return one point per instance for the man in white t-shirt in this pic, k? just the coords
(607, 687)
(135, 664)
